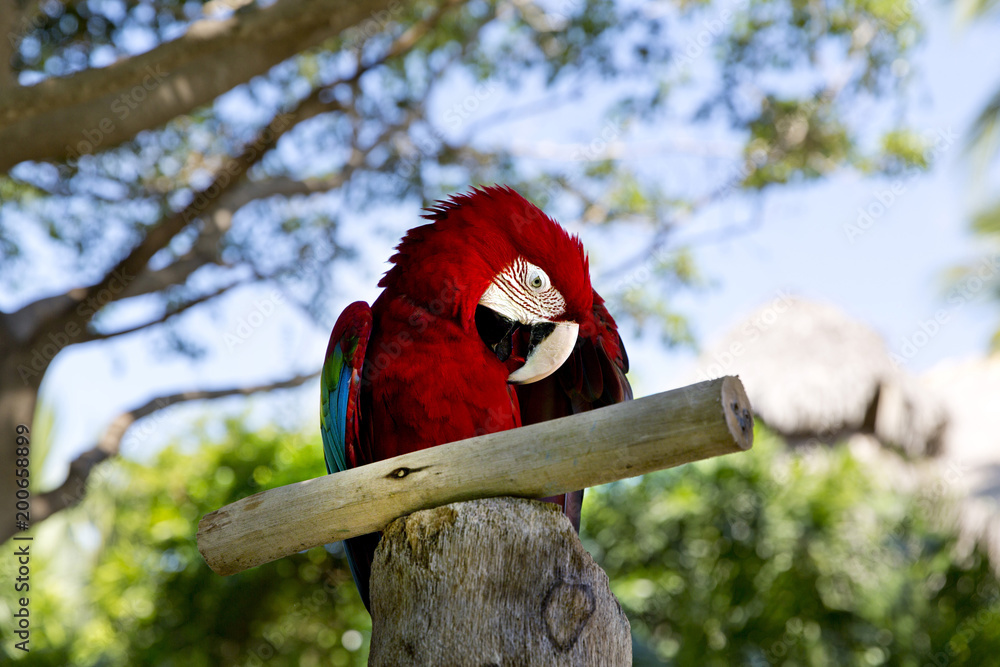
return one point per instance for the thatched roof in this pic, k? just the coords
(970, 461)
(813, 372)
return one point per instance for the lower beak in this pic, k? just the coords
(551, 344)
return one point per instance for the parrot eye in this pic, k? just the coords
(536, 279)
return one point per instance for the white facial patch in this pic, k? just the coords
(523, 292)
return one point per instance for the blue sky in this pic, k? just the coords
(890, 276)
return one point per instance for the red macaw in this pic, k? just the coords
(487, 321)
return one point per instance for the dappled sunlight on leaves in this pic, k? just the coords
(778, 558)
(149, 598)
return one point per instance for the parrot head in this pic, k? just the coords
(499, 266)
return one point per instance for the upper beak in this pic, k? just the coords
(550, 346)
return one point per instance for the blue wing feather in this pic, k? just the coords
(335, 387)
(340, 388)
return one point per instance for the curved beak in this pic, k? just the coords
(550, 346)
(549, 343)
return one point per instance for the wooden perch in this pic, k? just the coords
(501, 581)
(662, 431)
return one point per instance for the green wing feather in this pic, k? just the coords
(340, 385)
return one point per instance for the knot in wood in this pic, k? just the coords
(400, 473)
(566, 609)
(744, 417)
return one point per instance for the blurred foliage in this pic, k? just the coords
(119, 580)
(906, 148)
(793, 139)
(983, 143)
(978, 279)
(969, 9)
(792, 558)
(987, 221)
(766, 558)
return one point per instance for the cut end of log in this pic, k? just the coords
(210, 523)
(739, 414)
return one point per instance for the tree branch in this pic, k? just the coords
(96, 109)
(73, 488)
(219, 219)
(168, 314)
(79, 306)
(85, 302)
(25, 323)
(175, 273)
(9, 39)
(204, 250)
(250, 191)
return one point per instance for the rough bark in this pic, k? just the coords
(9, 13)
(62, 118)
(501, 581)
(18, 396)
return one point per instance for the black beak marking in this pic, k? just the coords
(540, 332)
(496, 331)
(506, 345)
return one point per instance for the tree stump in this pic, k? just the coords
(499, 581)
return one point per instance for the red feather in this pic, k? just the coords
(429, 379)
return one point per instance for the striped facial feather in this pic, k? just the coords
(523, 292)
